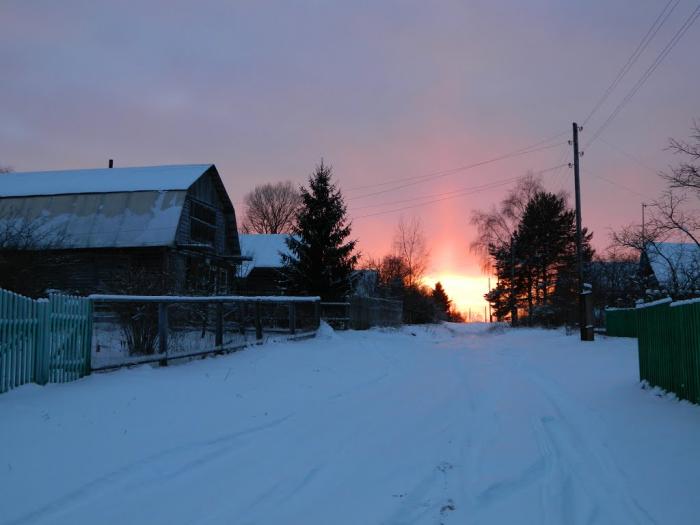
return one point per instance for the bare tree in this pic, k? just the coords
(410, 245)
(676, 214)
(271, 208)
(391, 269)
(495, 226)
(28, 252)
(687, 174)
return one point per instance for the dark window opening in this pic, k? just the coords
(203, 224)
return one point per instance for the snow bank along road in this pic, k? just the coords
(450, 424)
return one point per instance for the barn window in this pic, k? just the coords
(203, 223)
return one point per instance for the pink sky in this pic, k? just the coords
(380, 90)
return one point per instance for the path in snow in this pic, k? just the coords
(451, 424)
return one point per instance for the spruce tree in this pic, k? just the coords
(321, 256)
(443, 303)
(536, 269)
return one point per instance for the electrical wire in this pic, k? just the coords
(621, 186)
(634, 159)
(650, 70)
(458, 169)
(463, 192)
(643, 44)
(402, 179)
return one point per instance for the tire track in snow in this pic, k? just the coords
(571, 473)
(109, 480)
(581, 474)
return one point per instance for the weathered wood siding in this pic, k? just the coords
(209, 191)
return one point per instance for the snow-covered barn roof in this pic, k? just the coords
(103, 180)
(265, 250)
(674, 264)
(100, 208)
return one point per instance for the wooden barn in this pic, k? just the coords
(145, 230)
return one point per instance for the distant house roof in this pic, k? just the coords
(103, 180)
(265, 250)
(675, 265)
(100, 208)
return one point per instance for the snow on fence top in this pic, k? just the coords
(665, 300)
(201, 299)
(617, 308)
(103, 180)
(686, 301)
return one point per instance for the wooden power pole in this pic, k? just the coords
(585, 300)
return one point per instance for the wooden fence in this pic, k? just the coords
(148, 329)
(361, 313)
(52, 340)
(44, 340)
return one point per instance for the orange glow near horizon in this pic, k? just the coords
(467, 292)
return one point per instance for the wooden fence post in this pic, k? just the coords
(163, 333)
(258, 321)
(292, 318)
(317, 314)
(219, 340)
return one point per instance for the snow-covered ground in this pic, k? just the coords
(451, 424)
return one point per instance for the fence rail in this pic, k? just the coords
(141, 329)
(361, 313)
(64, 337)
(44, 340)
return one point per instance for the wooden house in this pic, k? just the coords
(261, 273)
(158, 229)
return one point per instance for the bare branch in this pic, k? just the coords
(271, 208)
(410, 246)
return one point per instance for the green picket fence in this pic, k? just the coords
(621, 322)
(669, 347)
(44, 340)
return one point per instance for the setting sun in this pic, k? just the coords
(467, 292)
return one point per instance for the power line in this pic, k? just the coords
(621, 186)
(456, 170)
(440, 172)
(433, 195)
(648, 37)
(463, 192)
(650, 70)
(634, 159)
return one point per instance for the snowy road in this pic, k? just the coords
(453, 424)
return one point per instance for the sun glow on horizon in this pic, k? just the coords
(467, 292)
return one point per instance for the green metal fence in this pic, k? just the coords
(669, 347)
(44, 340)
(621, 322)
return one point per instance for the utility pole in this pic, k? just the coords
(585, 301)
(585, 321)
